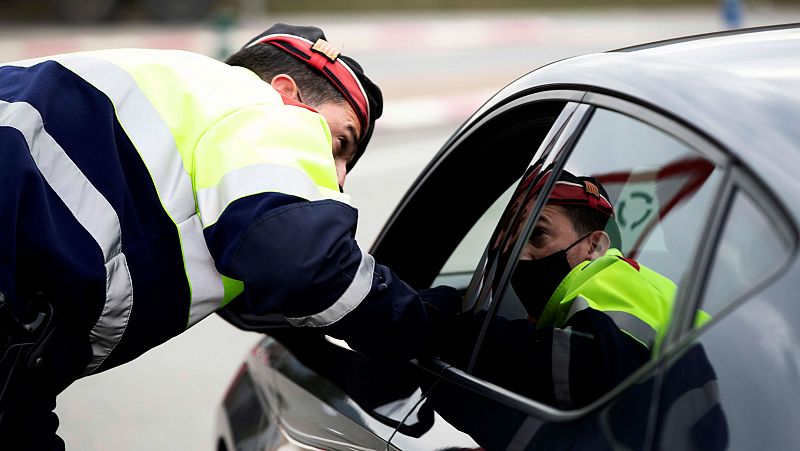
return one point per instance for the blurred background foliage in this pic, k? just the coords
(93, 11)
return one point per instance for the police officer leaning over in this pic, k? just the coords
(143, 190)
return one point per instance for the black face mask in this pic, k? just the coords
(534, 281)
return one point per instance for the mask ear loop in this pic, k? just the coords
(576, 242)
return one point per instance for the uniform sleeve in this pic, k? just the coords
(276, 222)
(299, 259)
(568, 366)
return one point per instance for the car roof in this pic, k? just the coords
(766, 55)
(739, 89)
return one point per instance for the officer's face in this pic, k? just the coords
(552, 233)
(345, 134)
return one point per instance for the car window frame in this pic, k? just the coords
(738, 181)
(549, 144)
(687, 298)
(383, 247)
(560, 141)
(690, 292)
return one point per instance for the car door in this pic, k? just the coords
(304, 391)
(730, 382)
(664, 180)
(299, 389)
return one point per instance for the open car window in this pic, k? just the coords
(465, 257)
(455, 194)
(498, 151)
(566, 327)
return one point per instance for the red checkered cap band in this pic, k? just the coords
(582, 194)
(326, 61)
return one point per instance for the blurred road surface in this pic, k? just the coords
(434, 68)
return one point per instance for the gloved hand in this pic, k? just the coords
(443, 307)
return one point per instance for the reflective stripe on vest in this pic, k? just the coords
(560, 357)
(351, 298)
(92, 211)
(251, 180)
(626, 322)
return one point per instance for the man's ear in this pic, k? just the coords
(600, 242)
(285, 85)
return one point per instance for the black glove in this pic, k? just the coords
(443, 306)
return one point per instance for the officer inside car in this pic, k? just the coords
(577, 319)
(593, 315)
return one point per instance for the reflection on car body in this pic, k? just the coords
(696, 144)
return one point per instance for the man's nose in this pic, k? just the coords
(341, 171)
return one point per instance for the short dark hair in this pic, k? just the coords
(586, 220)
(267, 61)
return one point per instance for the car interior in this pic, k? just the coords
(444, 207)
